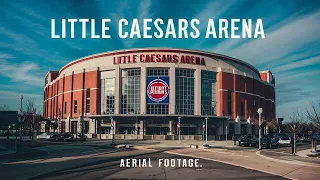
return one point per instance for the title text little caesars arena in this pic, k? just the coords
(144, 92)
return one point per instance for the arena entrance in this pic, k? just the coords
(158, 125)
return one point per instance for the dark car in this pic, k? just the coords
(269, 142)
(248, 140)
(68, 137)
(56, 137)
(84, 137)
(316, 136)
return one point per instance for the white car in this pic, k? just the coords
(285, 141)
(44, 135)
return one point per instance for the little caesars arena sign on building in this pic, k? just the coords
(159, 58)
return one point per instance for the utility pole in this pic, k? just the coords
(260, 111)
(21, 121)
(226, 132)
(203, 129)
(81, 121)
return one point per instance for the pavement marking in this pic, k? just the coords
(227, 153)
(279, 152)
(288, 162)
(233, 164)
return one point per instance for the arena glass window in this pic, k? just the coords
(208, 93)
(185, 91)
(107, 92)
(130, 91)
(75, 106)
(88, 100)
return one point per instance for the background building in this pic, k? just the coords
(149, 89)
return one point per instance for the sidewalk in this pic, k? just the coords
(186, 144)
(305, 152)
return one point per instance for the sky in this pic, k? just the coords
(291, 49)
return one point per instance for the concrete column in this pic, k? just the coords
(91, 126)
(171, 128)
(143, 86)
(197, 92)
(117, 89)
(78, 125)
(142, 128)
(67, 124)
(136, 125)
(116, 126)
(172, 95)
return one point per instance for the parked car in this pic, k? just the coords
(316, 136)
(68, 137)
(84, 137)
(46, 135)
(269, 142)
(56, 137)
(248, 140)
(285, 141)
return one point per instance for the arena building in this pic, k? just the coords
(144, 93)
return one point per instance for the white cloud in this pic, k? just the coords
(281, 42)
(294, 76)
(144, 11)
(298, 64)
(25, 72)
(214, 10)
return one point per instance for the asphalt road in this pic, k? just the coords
(110, 169)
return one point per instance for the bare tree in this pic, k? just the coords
(313, 114)
(32, 118)
(295, 123)
(4, 107)
(273, 124)
(29, 105)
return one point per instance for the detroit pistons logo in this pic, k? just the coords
(157, 90)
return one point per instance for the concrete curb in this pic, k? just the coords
(287, 161)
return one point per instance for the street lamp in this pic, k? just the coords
(137, 129)
(21, 120)
(260, 112)
(206, 130)
(82, 124)
(112, 128)
(179, 131)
